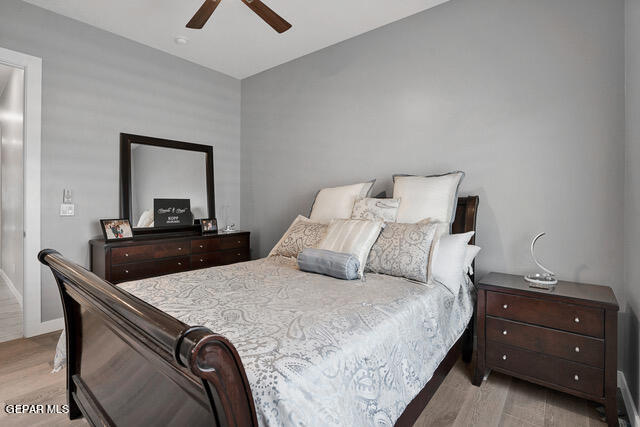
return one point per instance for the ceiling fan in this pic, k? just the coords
(262, 10)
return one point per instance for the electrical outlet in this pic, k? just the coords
(67, 209)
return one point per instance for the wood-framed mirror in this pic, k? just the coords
(158, 175)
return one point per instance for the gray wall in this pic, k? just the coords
(525, 96)
(632, 199)
(96, 85)
(11, 172)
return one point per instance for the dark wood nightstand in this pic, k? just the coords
(565, 339)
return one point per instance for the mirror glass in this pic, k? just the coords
(166, 173)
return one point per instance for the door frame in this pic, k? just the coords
(32, 162)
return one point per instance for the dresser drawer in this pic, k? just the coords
(578, 348)
(172, 249)
(557, 315)
(141, 270)
(204, 260)
(131, 254)
(221, 243)
(231, 257)
(214, 259)
(545, 368)
(234, 242)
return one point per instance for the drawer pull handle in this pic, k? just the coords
(126, 272)
(577, 320)
(504, 357)
(201, 246)
(126, 254)
(576, 377)
(505, 306)
(577, 349)
(504, 332)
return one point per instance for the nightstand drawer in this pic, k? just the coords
(557, 315)
(566, 345)
(545, 368)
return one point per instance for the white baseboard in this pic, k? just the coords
(45, 327)
(11, 286)
(632, 411)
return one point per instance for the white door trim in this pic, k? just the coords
(32, 67)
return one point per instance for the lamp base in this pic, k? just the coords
(541, 281)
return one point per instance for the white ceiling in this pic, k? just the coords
(236, 41)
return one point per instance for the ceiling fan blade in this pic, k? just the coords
(269, 16)
(203, 14)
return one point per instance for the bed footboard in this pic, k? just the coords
(129, 363)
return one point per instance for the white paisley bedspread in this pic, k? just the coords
(320, 351)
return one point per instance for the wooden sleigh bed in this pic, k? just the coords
(168, 372)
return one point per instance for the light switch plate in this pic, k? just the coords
(67, 209)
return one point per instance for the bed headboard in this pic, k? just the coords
(466, 213)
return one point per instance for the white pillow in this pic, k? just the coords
(146, 219)
(337, 202)
(422, 197)
(449, 258)
(470, 254)
(352, 236)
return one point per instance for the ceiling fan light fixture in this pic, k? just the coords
(274, 20)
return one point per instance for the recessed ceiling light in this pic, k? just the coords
(181, 40)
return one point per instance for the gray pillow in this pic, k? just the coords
(329, 263)
(403, 250)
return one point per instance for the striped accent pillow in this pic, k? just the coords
(352, 236)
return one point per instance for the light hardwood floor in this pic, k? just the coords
(26, 378)
(10, 314)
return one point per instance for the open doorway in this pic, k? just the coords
(12, 98)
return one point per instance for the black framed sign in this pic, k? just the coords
(172, 212)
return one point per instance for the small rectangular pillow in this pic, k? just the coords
(434, 197)
(337, 202)
(402, 250)
(372, 209)
(329, 263)
(302, 233)
(352, 236)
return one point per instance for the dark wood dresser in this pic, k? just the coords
(145, 257)
(565, 339)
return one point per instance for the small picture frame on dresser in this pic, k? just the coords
(116, 229)
(209, 226)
